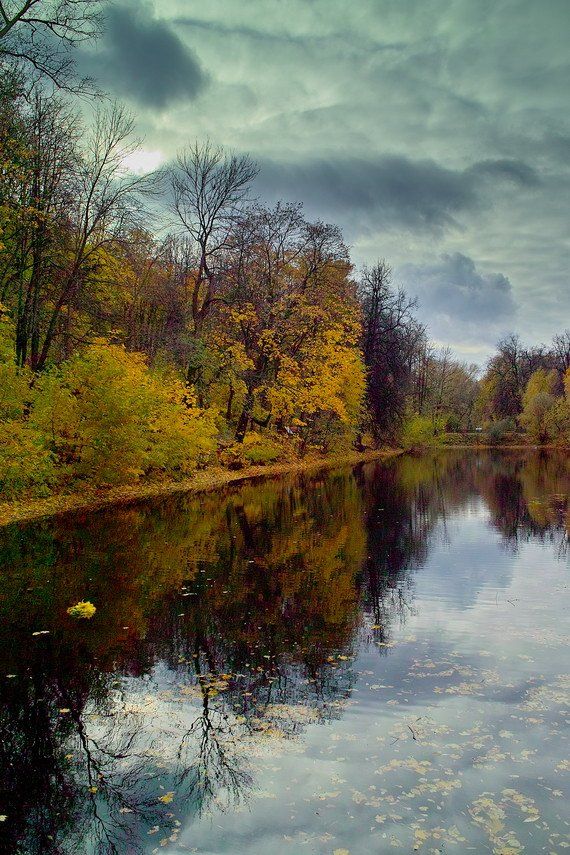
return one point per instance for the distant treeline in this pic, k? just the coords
(528, 389)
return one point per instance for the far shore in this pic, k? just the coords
(205, 480)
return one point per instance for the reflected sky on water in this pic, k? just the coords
(365, 660)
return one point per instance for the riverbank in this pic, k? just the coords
(89, 500)
(481, 446)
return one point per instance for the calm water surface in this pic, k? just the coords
(372, 660)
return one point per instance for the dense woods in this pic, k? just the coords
(155, 323)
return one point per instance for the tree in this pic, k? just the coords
(74, 200)
(208, 190)
(40, 36)
(561, 352)
(288, 312)
(42, 199)
(390, 340)
(539, 400)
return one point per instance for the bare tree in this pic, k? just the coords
(106, 205)
(561, 351)
(209, 188)
(41, 34)
(392, 338)
(46, 196)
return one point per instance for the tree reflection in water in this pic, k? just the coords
(224, 623)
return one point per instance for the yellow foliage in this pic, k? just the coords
(83, 609)
(540, 415)
(26, 462)
(108, 418)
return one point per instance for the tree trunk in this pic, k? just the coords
(229, 404)
(244, 417)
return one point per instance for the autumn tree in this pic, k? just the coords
(75, 200)
(289, 314)
(539, 402)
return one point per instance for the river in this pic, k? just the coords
(366, 660)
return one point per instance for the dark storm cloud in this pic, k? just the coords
(141, 58)
(509, 170)
(392, 191)
(558, 147)
(460, 300)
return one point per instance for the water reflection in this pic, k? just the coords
(225, 624)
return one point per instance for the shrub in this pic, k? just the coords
(259, 449)
(539, 402)
(26, 463)
(419, 431)
(500, 431)
(232, 456)
(182, 436)
(454, 438)
(110, 420)
(255, 449)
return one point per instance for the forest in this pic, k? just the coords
(151, 324)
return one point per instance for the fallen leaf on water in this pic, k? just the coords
(166, 798)
(83, 609)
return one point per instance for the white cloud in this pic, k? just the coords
(143, 161)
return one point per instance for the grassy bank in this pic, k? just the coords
(90, 499)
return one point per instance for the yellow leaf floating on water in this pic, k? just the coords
(83, 609)
(166, 798)
(93, 790)
(341, 852)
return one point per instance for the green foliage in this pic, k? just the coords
(25, 460)
(26, 463)
(256, 449)
(259, 449)
(14, 382)
(500, 431)
(420, 431)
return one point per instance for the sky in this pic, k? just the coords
(436, 133)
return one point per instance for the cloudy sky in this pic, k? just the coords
(435, 132)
